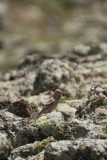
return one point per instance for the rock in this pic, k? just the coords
(88, 149)
(4, 102)
(58, 150)
(96, 104)
(24, 135)
(66, 110)
(101, 111)
(22, 152)
(55, 117)
(39, 156)
(81, 50)
(70, 130)
(19, 131)
(53, 74)
(20, 84)
(87, 53)
(37, 148)
(8, 117)
(33, 59)
(23, 109)
(74, 103)
(29, 150)
(45, 126)
(52, 124)
(48, 123)
(94, 148)
(5, 146)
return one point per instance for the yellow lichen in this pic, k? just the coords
(45, 125)
(43, 120)
(63, 99)
(38, 147)
(63, 133)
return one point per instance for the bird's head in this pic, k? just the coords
(57, 94)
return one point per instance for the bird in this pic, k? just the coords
(52, 103)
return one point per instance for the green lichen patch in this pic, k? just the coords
(63, 99)
(45, 125)
(39, 147)
(39, 156)
(43, 120)
(62, 132)
(70, 131)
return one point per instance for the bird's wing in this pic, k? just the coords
(50, 102)
(47, 106)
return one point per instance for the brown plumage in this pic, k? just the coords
(52, 103)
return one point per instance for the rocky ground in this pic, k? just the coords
(77, 128)
(50, 60)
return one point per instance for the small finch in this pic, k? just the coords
(52, 103)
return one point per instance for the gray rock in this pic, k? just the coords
(57, 151)
(18, 83)
(47, 124)
(22, 152)
(85, 149)
(87, 53)
(53, 74)
(95, 107)
(25, 135)
(66, 110)
(55, 117)
(7, 116)
(23, 108)
(5, 146)
(50, 125)
(31, 151)
(39, 156)
(81, 50)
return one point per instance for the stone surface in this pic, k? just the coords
(23, 108)
(66, 110)
(54, 74)
(85, 149)
(5, 146)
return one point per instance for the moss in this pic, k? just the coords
(41, 145)
(58, 131)
(43, 120)
(62, 132)
(40, 156)
(63, 99)
(45, 125)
